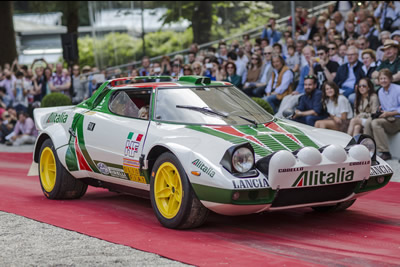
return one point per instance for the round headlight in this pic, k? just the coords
(243, 160)
(369, 144)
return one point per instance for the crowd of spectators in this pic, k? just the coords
(340, 71)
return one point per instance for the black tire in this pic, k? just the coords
(65, 185)
(338, 207)
(191, 212)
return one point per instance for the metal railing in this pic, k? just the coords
(252, 33)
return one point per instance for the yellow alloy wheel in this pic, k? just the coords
(168, 191)
(48, 169)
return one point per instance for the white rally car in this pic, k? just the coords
(193, 145)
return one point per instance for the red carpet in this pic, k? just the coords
(366, 234)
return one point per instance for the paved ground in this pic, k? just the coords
(25, 242)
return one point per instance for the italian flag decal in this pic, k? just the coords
(265, 139)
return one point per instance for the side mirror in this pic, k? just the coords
(288, 113)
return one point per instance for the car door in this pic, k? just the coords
(115, 139)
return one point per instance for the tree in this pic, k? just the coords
(200, 13)
(7, 45)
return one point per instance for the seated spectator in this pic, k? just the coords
(392, 62)
(231, 76)
(292, 60)
(349, 74)
(239, 64)
(254, 73)
(165, 66)
(372, 39)
(187, 70)
(333, 53)
(144, 112)
(5, 99)
(278, 49)
(388, 121)
(362, 44)
(325, 69)
(24, 131)
(338, 108)
(308, 53)
(368, 58)
(280, 84)
(310, 109)
(383, 36)
(349, 31)
(213, 71)
(365, 104)
(177, 70)
(342, 54)
(197, 68)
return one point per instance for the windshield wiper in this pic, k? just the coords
(249, 120)
(204, 110)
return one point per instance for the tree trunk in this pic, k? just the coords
(71, 13)
(202, 21)
(7, 45)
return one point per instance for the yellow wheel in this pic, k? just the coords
(172, 197)
(48, 169)
(55, 180)
(168, 190)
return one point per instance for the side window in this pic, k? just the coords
(133, 104)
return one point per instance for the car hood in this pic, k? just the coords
(269, 137)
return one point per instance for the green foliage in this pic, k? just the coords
(264, 104)
(120, 48)
(55, 100)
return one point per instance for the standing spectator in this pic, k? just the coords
(37, 84)
(20, 93)
(47, 85)
(80, 91)
(310, 109)
(349, 74)
(8, 83)
(5, 99)
(388, 121)
(368, 58)
(388, 11)
(392, 62)
(271, 33)
(280, 84)
(337, 106)
(61, 82)
(231, 76)
(24, 132)
(325, 69)
(366, 103)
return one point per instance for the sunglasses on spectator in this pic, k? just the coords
(197, 68)
(186, 69)
(267, 53)
(310, 77)
(320, 54)
(331, 48)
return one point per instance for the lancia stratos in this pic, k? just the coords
(194, 146)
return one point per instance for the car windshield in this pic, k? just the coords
(208, 105)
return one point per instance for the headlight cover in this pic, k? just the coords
(370, 145)
(239, 161)
(366, 141)
(243, 160)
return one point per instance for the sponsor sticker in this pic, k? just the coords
(117, 173)
(131, 167)
(103, 168)
(250, 183)
(316, 177)
(132, 144)
(204, 168)
(57, 118)
(380, 170)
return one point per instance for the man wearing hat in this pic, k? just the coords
(392, 62)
